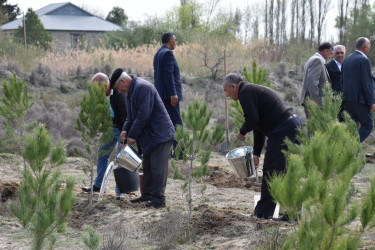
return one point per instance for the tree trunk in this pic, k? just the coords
(312, 23)
(270, 22)
(303, 21)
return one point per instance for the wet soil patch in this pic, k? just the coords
(222, 178)
(8, 190)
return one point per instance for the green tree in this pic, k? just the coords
(42, 206)
(35, 33)
(14, 107)
(92, 241)
(117, 15)
(8, 11)
(94, 118)
(196, 141)
(318, 177)
(189, 15)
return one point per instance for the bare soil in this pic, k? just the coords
(220, 217)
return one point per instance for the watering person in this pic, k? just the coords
(334, 72)
(267, 115)
(315, 76)
(167, 79)
(358, 87)
(148, 124)
(118, 114)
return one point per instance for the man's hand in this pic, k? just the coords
(372, 108)
(256, 161)
(123, 136)
(130, 140)
(240, 137)
(174, 100)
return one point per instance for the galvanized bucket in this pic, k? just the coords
(129, 158)
(242, 162)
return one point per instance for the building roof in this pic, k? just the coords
(66, 16)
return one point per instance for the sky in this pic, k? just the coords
(138, 10)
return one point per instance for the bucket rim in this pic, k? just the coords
(248, 149)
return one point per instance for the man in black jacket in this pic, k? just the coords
(358, 87)
(334, 72)
(268, 116)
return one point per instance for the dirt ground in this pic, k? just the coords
(220, 216)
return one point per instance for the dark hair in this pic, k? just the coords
(360, 42)
(166, 37)
(324, 46)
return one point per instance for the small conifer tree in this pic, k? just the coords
(42, 206)
(196, 141)
(318, 178)
(14, 108)
(94, 118)
(256, 75)
(92, 241)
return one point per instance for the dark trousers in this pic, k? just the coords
(361, 115)
(155, 171)
(174, 114)
(274, 162)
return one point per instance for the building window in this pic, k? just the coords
(75, 40)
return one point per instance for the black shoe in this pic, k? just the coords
(141, 199)
(284, 217)
(88, 189)
(159, 203)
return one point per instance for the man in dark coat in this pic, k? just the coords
(334, 67)
(334, 71)
(358, 87)
(167, 78)
(267, 115)
(149, 125)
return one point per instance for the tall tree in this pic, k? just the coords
(293, 13)
(270, 22)
(323, 6)
(117, 15)
(303, 20)
(35, 32)
(312, 23)
(9, 11)
(341, 20)
(266, 20)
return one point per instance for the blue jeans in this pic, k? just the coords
(103, 161)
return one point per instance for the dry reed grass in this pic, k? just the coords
(139, 60)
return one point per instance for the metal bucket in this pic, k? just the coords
(241, 159)
(129, 158)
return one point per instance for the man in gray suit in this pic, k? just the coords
(315, 76)
(358, 87)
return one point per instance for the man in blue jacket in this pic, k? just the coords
(149, 125)
(358, 87)
(167, 78)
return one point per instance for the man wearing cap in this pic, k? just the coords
(167, 78)
(268, 116)
(118, 114)
(149, 125)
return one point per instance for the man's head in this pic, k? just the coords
(231, 85)
(101, 78)
(169, 40)
(325, 50)
(363, 44)
(339, 53)
(120, 80)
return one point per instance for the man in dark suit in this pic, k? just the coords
(334, 71)
(315, 76)
(358, 87)
(334, 67)
(167, 78)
